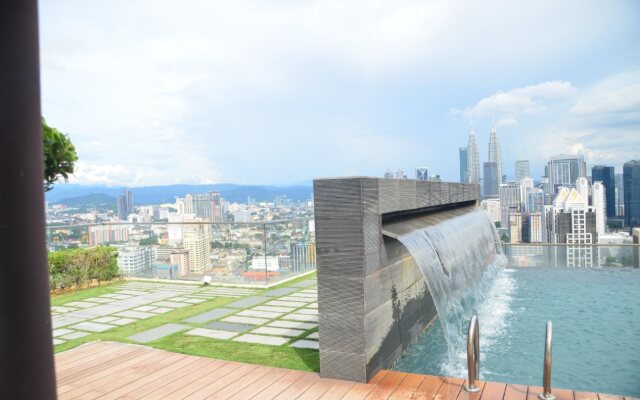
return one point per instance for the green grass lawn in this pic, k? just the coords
(273, 356)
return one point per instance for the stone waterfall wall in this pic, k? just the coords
(373, 300)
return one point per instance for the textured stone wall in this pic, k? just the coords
(373, 300)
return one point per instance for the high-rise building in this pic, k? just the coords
(422, 174)
(510, 201)
(495, 154)
(607, 176)
(619, 195)
(522, 169)
(535, 201)
(599, 201)
(180, 257)
(135, 259)
(490, 183)
(631, 178)
(125, 205)
(473, 159)
(204, 205)
(303, 256)
(387, 175)
(582, 186)
(492, 207)
(99, 234)
(462, 151)
(564, 171)
(196, 239)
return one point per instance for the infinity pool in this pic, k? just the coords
(596, 331)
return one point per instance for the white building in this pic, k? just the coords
(135, 259)
(510, 201)
(196, 239)
(492, 207)
(242, 216)
(599, 203)
(495, 155)
(473, 159)
(262, 263)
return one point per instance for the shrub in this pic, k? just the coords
(77, 267)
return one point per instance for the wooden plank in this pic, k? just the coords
(361, 390)
(585, 396)
(222, 382)
(407, 387)
(318, 389)
(564, 394)
(515, 392)
(387, 385)
(493, 391)
(533, 392)
(77, 352)
(184, 380)
(298, 387)
(206, 380)
(280, 385)
(86, 369)
(428, 388)
(604, 396)
(464, 395)
(103, 354)
(272, 375)
(449, 389)
(337, 390)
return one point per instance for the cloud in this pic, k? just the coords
(506, 122)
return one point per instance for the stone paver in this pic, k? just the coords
(212, 333)
(313, 305)
(62, 309)
(91, 327)
(123, 321)
(61, 332)
(81, 304)
(210, 315)
(145, 308)
(172, 304)
(157, 333)
(304, 284)
(135, 314)
(194, 301)
(303, 300)
(301, 317)
(246, 320)
(281, 303)
(261, 339)
(292, 324)
(75, 335)
(314, 335)
(306, 344)
(57, 341)
(307, 311)
(101, 300)
(248, 302)
(259, 314)
(274, 309)
(105, 320)
(267, 330)
(178, 299)
(228, 326)
(161, 310)
(280, 292)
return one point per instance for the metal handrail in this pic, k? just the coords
(473, 355)
(546, 380)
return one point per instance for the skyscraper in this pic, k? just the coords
(490, 183)
(510, 201)
(631, 178)
(564, 171)
(598, 201)
(125, 205)
(204, 205)
(473, 159)
(422, 174)
(606, 175)
(495, 155)
(522, 169)
(463, 164)
(619, 195)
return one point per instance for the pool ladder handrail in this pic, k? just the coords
(473, 355)
(546, 379)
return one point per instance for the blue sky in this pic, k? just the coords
(279, 92)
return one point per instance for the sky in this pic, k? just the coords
(281, 92)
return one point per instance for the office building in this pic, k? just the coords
(619, 195)
(598, 202)
(510, 201)
(135, 259)
(564, 171)
(196, 239)
(303, 256)
(534, 201)
(242, 216)
(606, 175)
(473, 159)
(204, 205)
(125, 205)
(104, 234)
(631, 179)
(492, 207)
(491, 182)
(180, 257)
(422, 174)
(462, 152)
(582, 186)
(522, 169)
(495, 154)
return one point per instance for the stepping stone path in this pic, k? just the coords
(157, 333)
(211, 333)
(210, 315)
(261, 339)
(306, 344)
(230, 327)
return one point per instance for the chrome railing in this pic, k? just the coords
(473, 355)
(546, 379)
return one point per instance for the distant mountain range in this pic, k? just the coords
(77, 195)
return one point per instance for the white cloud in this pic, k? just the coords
(506, 122)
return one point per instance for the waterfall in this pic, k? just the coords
(458, 258)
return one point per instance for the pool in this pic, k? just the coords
(596, 331)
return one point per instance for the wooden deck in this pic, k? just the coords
(108, 370)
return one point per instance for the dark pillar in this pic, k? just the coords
(26, 350)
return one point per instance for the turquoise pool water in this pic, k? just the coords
(596, 331)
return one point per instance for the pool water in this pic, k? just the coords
(596, 331)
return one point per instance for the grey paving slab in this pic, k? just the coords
(194, 301)
(212, 333)
(172, 304)
(281, 303)
(62, 309)
(314, 335)
(303, 295)
(161, 310)
(210, 315)
(135, 314)
(133, 292)
(121, 296)
(178, 299)
(268, 330)
(312, 305)
(293, 324)
(296, 299)
(123, 321)
(307, 311)
(259, 314)
(280, 292)
(246, 320)
(58, 321)
(91, 327)
(274, 309)
(301, 317)
(228, 326)
(105, 320)
(262, 339)
(304, 284)
(248, 302)
(306, 344)
(81, 304)
(61, 332)
(145, 308)
(110, 296)
(75, 335)
(57, 341)
(158, 332)
(101, 300)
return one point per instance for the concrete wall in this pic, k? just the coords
(373, 300)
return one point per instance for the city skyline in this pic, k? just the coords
(165, 98)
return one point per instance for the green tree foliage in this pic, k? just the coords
(59, 155)
(77, 267)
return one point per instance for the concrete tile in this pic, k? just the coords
(281, 303)
(81, 304)
(194, 301)
(228, 326)
(261, 339)
(171, 304)
(157, 333)
(246, 320)
(314, 335)
(296, 299)
(292, 324)
(312, 305)
(212, 333)
(307, 283)
(274, 309)
(268, 330)
(307, 311)
(301, 317)
(91, 327)
(135, 314)
(101, 300)
(62, 309)
(57, 341)
(210, 315)
(145, 308)
(280, 291)
(248, 302)
(75, 335)
(105, 320)
(306, 344)
(259, 314)
(62, 332)
(179, 299)
(123, 321)
(161, 310)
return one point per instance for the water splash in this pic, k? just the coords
(459, 259)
